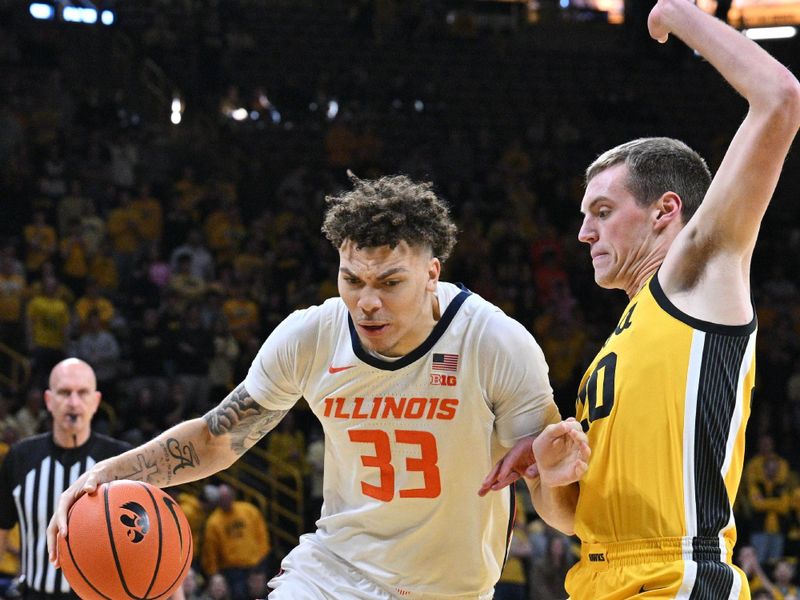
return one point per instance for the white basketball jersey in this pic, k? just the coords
(408, 442)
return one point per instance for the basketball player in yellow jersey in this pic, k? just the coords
(666, 400)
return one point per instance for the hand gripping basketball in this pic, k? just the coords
(128, 540)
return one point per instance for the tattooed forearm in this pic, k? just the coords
(185, 454)
(244, 419)
(143, 469)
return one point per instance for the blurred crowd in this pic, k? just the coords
(164, 254)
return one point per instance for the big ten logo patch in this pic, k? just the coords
(441, 379)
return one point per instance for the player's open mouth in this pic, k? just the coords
(373, 329)
(72, 417)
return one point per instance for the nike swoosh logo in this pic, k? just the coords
(642, 589)
(332, 369)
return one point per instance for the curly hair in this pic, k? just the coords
(387, 211)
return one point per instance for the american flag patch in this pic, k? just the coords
(445, 362)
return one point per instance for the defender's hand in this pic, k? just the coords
(562, 453)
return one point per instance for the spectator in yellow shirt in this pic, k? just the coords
(242, 313)
(40, 243)
(94, 302)
(12, 295)
(103, 269)
(150, 214)
(754, 470)
(225, 232)
(770, 501)
(9, 561)
(188, 287)
(74, 258)
(47, 321)
(125, 232)
(236, 541)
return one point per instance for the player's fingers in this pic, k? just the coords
(553, 431)
(507, 466)
(579, 437)
(505, 481)
(89, 486)
(52, 545)
(489, 480)
(573, 425)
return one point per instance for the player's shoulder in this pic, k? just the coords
(330, 309)
(305, 325)
(493, 322)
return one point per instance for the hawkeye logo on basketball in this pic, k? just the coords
(138, 523)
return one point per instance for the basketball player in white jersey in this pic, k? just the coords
(419, 385)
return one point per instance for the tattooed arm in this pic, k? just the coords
(189, 451)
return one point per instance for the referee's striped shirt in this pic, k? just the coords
(32, 477)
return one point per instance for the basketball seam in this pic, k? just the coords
(186, 562)
(110, 529)
(160, 542)
(75, 563)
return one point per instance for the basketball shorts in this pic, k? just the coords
(663, 569)
(312, 572)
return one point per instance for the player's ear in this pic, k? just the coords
(667, 210)
(434, 270)
(98, 398)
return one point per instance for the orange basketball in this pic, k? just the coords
(130, 540)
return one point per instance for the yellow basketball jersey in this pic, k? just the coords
(665, 403)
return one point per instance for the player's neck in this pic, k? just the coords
(436, 310)
(642, 274)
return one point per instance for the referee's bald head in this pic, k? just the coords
(68, 364)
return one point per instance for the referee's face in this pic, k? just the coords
(72, 400)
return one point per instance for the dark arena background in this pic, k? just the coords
(134, 134)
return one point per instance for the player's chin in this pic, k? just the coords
(604, 280)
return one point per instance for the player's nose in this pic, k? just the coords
(587, 233)
(369, 300)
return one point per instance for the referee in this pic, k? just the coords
(37, 469)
